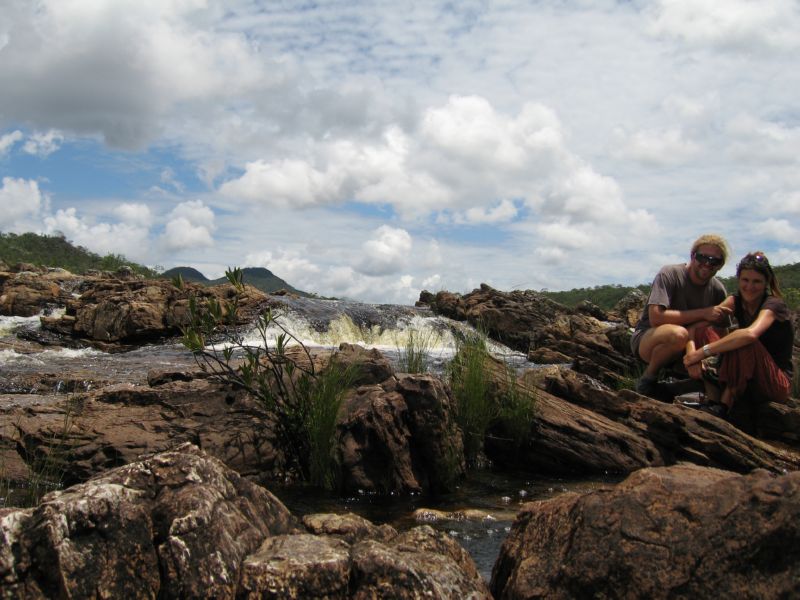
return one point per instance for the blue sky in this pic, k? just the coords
(375, 149)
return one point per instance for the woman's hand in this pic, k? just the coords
(693, 358)
(718, 314)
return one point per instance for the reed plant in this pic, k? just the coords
(414, 355)
(470, 383)
(516, 408)
(319, 402)
(484, 395)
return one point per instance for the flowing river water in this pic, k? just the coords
(478, 514)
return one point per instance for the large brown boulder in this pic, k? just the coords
(419, 563)
(400, 435)
(181, 525)
(27, 293)
(677, 532)
(178, 524)
(680, 433)
(118, 423)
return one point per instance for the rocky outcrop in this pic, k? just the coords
(629, 308)
(26, 293)
(680, 434)
(394, 435)
(677, 532)
(118, 423)
(179, 524)
(125, 311)
(530, 322)
(581, 427)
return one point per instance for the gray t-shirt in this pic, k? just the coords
(674, 289)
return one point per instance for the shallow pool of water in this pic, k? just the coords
(499, 495)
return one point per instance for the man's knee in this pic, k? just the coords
(663, 339)
(677, 337)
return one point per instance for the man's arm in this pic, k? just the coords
(661, 315)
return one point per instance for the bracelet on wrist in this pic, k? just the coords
(706, 351)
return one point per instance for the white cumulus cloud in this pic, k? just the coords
(134, 214)
(189, 225)
(103, 238)
(778, 229)
(21, 200)
(388, 252)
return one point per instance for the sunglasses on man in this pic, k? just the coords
(711, 261)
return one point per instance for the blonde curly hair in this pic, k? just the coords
(712, 239)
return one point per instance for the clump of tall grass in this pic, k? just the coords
(487, 392)
(46, 463)
(414, 355)
(320, 401)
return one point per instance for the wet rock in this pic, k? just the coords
(683, 531)
(399, 436)
(372, 366)
(432, 515)
(117, 424)
(178, 524)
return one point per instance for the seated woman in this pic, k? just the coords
(757, 357)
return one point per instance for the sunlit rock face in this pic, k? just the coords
(683, 531)
(182, 525)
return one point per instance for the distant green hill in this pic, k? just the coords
(57, 251)
(259, 277)
(186, 273)
(262, 279)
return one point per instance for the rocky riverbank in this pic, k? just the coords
(396, 434)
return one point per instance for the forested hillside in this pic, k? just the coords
(57, 251)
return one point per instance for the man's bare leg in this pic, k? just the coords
(660, 346)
